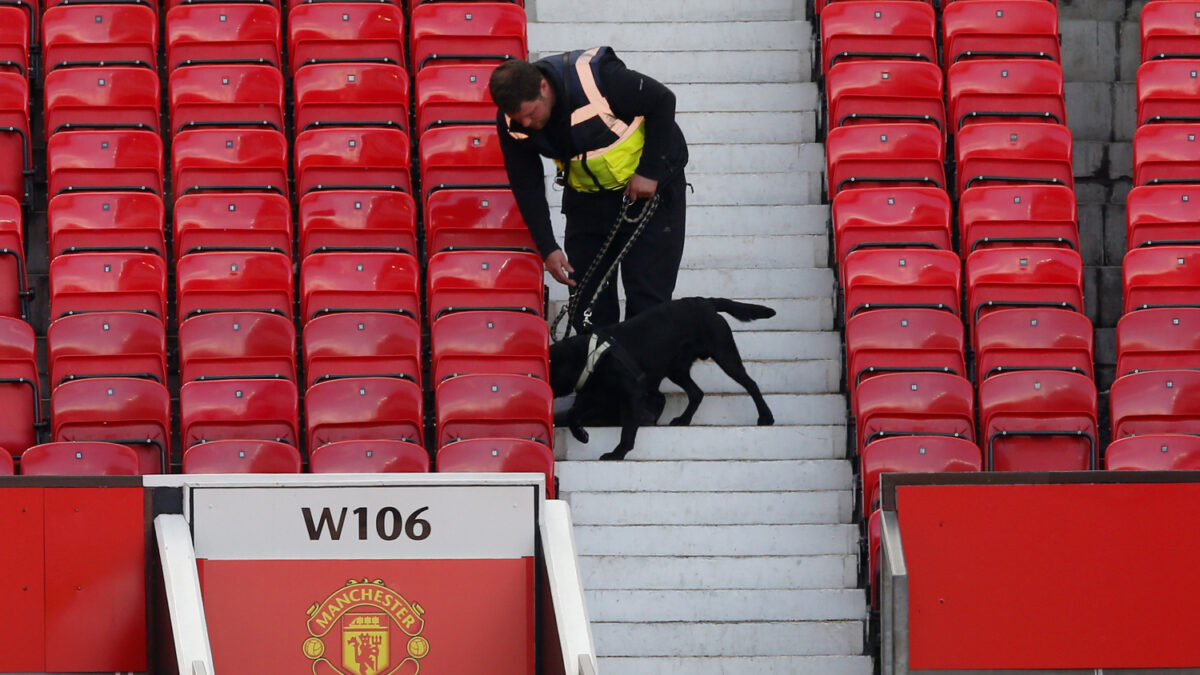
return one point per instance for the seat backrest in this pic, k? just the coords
(907, 154)
(907, 404)
(1033, 338)
(111, 344)
(872, 91)
(881, 278)
(19, 385)
(513, 455)
(6, 463)
(125, 410)
(222, 281)
(16, 141)
(79, 458)
(1167, 90)
(359, 282)
(358, 219)
(229, 160)
(373, 158)
(226, 94)
(345, 31)
(237, 344)
(119, 160)
(16, 35)
(1166, 153)
(1159, 338)
(101, 96)
(913, 454)
(14, 282)
(487, 32)
(481, 279)
(241, 456)
(1155, 402)
(453, 93)
(490, 342)
(103, 281)
(259, 221)
(93, 220)
(1017, 215)
(361, 408)
(1038, 420)
(1161, 276)
(501, 405)
(1008, 153)
(1161, 214)
(986, 90)
(912, 217)
(212, 410)
(351, 94)
(891, 29)
(124, 33)
(358, 344)
(1004, 28)
(1027, 276)
(474, 218)
(213, 32)
(1154, 452)
(461, 156)
(1170, 28)
(369, 456)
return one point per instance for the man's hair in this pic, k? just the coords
(514, 83)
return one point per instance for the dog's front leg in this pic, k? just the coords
(632, 402)
(574, 413)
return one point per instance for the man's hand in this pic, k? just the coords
(640, 187)
(559, 268)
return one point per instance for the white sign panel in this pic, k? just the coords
(367, 522)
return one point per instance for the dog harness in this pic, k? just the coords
(596, 349)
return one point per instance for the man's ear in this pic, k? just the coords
(547, 91)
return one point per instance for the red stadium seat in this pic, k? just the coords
(913, 454)
(989, 90)
(117, 34)
(1161, 276)
(902, 340)
(106, 344)
(80, 458)
(345, 31)
(1033, 338)
(1170, 29)
(226, 95)
(913, 278)
(369, 456)
(351, 94)
(1158, 339)
(251, 221)
(1017, 215)
(363, 408)
(1038, 420)
(331, 283)
(132, 221)
(101, 281)
(474, 218)
(1166, 153)
(460, 280)
(16, 142)
(490, 342)
(110, 160)
(241, 456)
(1031, 276)
(915, 404)
(16, 35)
(212, 410)
(14, 284)
(891, 217)
(229, 160)
(237, 344)
(124, 410)
(1014, 153)
(358, 219)
(234, 281)
(1154, 452)
(876, 91)
(6, 463)
(1161, 214)
(999, 28)
(890, 29)
(353, 159)
(453, 93)
(198, 33)
(512, 455)
(494, 405)
(461, 157)
(472, 32)
(19, 386)
(1155, 402)
(1168, 91)
(871, 155)
(360, 344)
(101, 97)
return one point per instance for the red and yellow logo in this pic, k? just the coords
(372, 621)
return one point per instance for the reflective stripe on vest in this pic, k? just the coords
(611, 166)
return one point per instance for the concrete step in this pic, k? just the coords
(748, 127)
(742, 665)
(791, 314)
(685, 36)
(796, 345)
(737, 157)
(717, 476)
(773, 377)
(782, 638)
(782, 507)
(635, 11)
(718, 219)
(718, 605)
(700, 572)
(789, 409)
(756, 252)
(715, 540)
(745, 97)
(717, 66)
(712, 443)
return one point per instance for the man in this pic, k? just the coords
(612, 133)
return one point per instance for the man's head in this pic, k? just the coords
(521, 92)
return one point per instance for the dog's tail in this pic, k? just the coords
(742, 311)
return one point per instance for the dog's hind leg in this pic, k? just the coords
(725, 354)
(683, 378)
(632, 401)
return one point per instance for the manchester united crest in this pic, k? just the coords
(365, 628)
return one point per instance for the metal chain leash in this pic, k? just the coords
(623, 217)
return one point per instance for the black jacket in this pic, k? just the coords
(630, 94)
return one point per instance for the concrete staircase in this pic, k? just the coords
(723, 547)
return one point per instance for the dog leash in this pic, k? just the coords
(623, 217)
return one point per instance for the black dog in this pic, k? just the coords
(630, 359)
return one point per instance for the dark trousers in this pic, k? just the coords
(650, 268)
